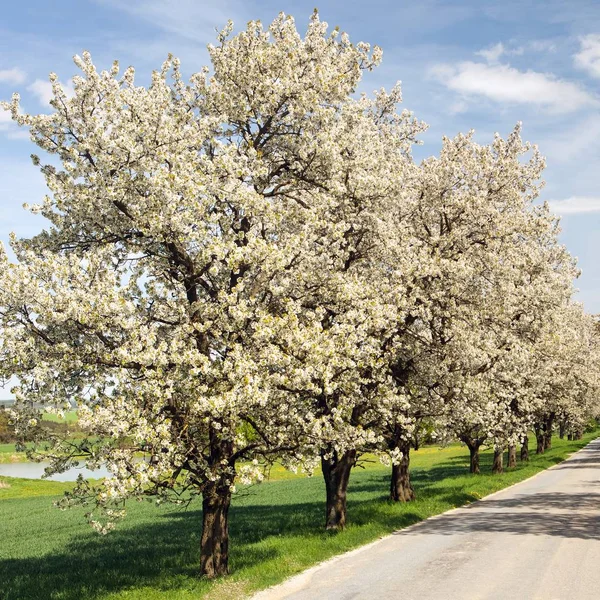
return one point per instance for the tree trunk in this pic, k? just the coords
(512, 456)
(498, 466)
(541, 446)
(570, 437)
(562, 430)
(525, 449)
(473, 446)
(540, 437)
(548, 432)
(336, 472)
(401, 490)
(214, 545)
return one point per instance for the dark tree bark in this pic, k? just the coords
(548, 432)
(416, 441)
(473, 445)
(336, 472)
(474, 460)
(401, 490)
(525, 449)
(562, 430)
(570, 437)
(540, 437)
(512, 456)
(214, 544)
(498, 466)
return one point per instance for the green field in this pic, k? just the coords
(70, 417)
(276, 531)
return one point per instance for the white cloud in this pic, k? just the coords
(13, 76)
(533, 46)
(588, 57)
(18, 134)
(458, 107)
(5, 117)
(42, 90)
(575, 205)
(503, 83)
(542, 46)
(492, 54)
(8, 127)
(190, 19)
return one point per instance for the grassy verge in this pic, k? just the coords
(276, 531)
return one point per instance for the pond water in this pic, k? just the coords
(29, 470)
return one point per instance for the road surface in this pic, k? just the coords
(539, 539)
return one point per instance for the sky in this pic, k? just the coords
(464, 64)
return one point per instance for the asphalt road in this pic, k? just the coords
(539, 539)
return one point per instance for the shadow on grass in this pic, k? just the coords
(164, 555)
(162, 552)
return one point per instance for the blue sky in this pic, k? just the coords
(463, 64)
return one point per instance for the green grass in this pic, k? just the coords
(276, 531)
(70, 417)
(13, 488)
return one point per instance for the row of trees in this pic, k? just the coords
(251, 267)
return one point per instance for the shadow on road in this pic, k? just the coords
(562, 514)
(566, 524)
